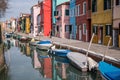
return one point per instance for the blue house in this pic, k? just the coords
(73, 19)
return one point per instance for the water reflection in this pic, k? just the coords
(33, 64)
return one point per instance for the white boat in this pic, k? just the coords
(44, 45)
(81, 61)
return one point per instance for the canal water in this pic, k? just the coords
(25, 62)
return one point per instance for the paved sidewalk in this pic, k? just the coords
(98, 49)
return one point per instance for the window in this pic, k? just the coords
(68, 28)
(108, 30)
(84, 28)
(78, 10)
(95, 29)
(94, 5)
(56, 13)
(107, 4)
(84, 8)
(117, 2)
(67, 12)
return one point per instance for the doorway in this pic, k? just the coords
(101, 35)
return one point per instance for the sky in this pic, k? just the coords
(21, 6)
(18, 6)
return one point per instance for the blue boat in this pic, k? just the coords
(108, 71)
(60, 52)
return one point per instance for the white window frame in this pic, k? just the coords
(84, 28)
(78, 10)
(84, 8)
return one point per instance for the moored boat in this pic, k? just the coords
(108, 71)
(59, 52)
(44, 45)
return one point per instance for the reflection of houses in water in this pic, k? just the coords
(47, 66)
(46, 69)
(37, 64)
(59, 66)
(74, 74)
(61, 70)
(27, 49)
(23, 48)
(16, 43)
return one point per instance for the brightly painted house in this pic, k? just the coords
(54, 4)
(27, 21)
(62, 21)
(24, 22)
(13, 24)
(116, 23)
(35, 11)
(101, 21)
(73, 19)
(83, 20)
(45, 17)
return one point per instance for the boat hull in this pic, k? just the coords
(108, 71)
(78, 60)
(59, 52)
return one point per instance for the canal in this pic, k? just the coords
(25, 62)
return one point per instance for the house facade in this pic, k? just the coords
(62, 21)
(73, 19)
(83, 19)
(47, 18)
(35, 11)
(116, 23)
(27, 21)
(101, 21)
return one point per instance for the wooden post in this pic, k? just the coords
(89, 47)
(106, 49)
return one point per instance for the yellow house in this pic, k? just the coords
(27, 24)
(101, 23)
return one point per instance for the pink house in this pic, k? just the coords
(63, 27)
(35, 12)
(116, 23)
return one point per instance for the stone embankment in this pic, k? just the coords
(2, 59)
(96, 51)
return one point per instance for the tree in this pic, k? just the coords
(3, 7)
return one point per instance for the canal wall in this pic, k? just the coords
(96, 51)
(2, 59)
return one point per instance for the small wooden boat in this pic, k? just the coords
(24, 39)
(81, 61)
(34, 43)
(108, 71)
(59, 52)
(44, 45)
(78, 59)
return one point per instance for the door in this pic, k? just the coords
(80, 33)
(101, 35)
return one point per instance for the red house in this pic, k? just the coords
(83, 19)
(45, 17)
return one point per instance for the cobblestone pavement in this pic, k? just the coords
(98, 49)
